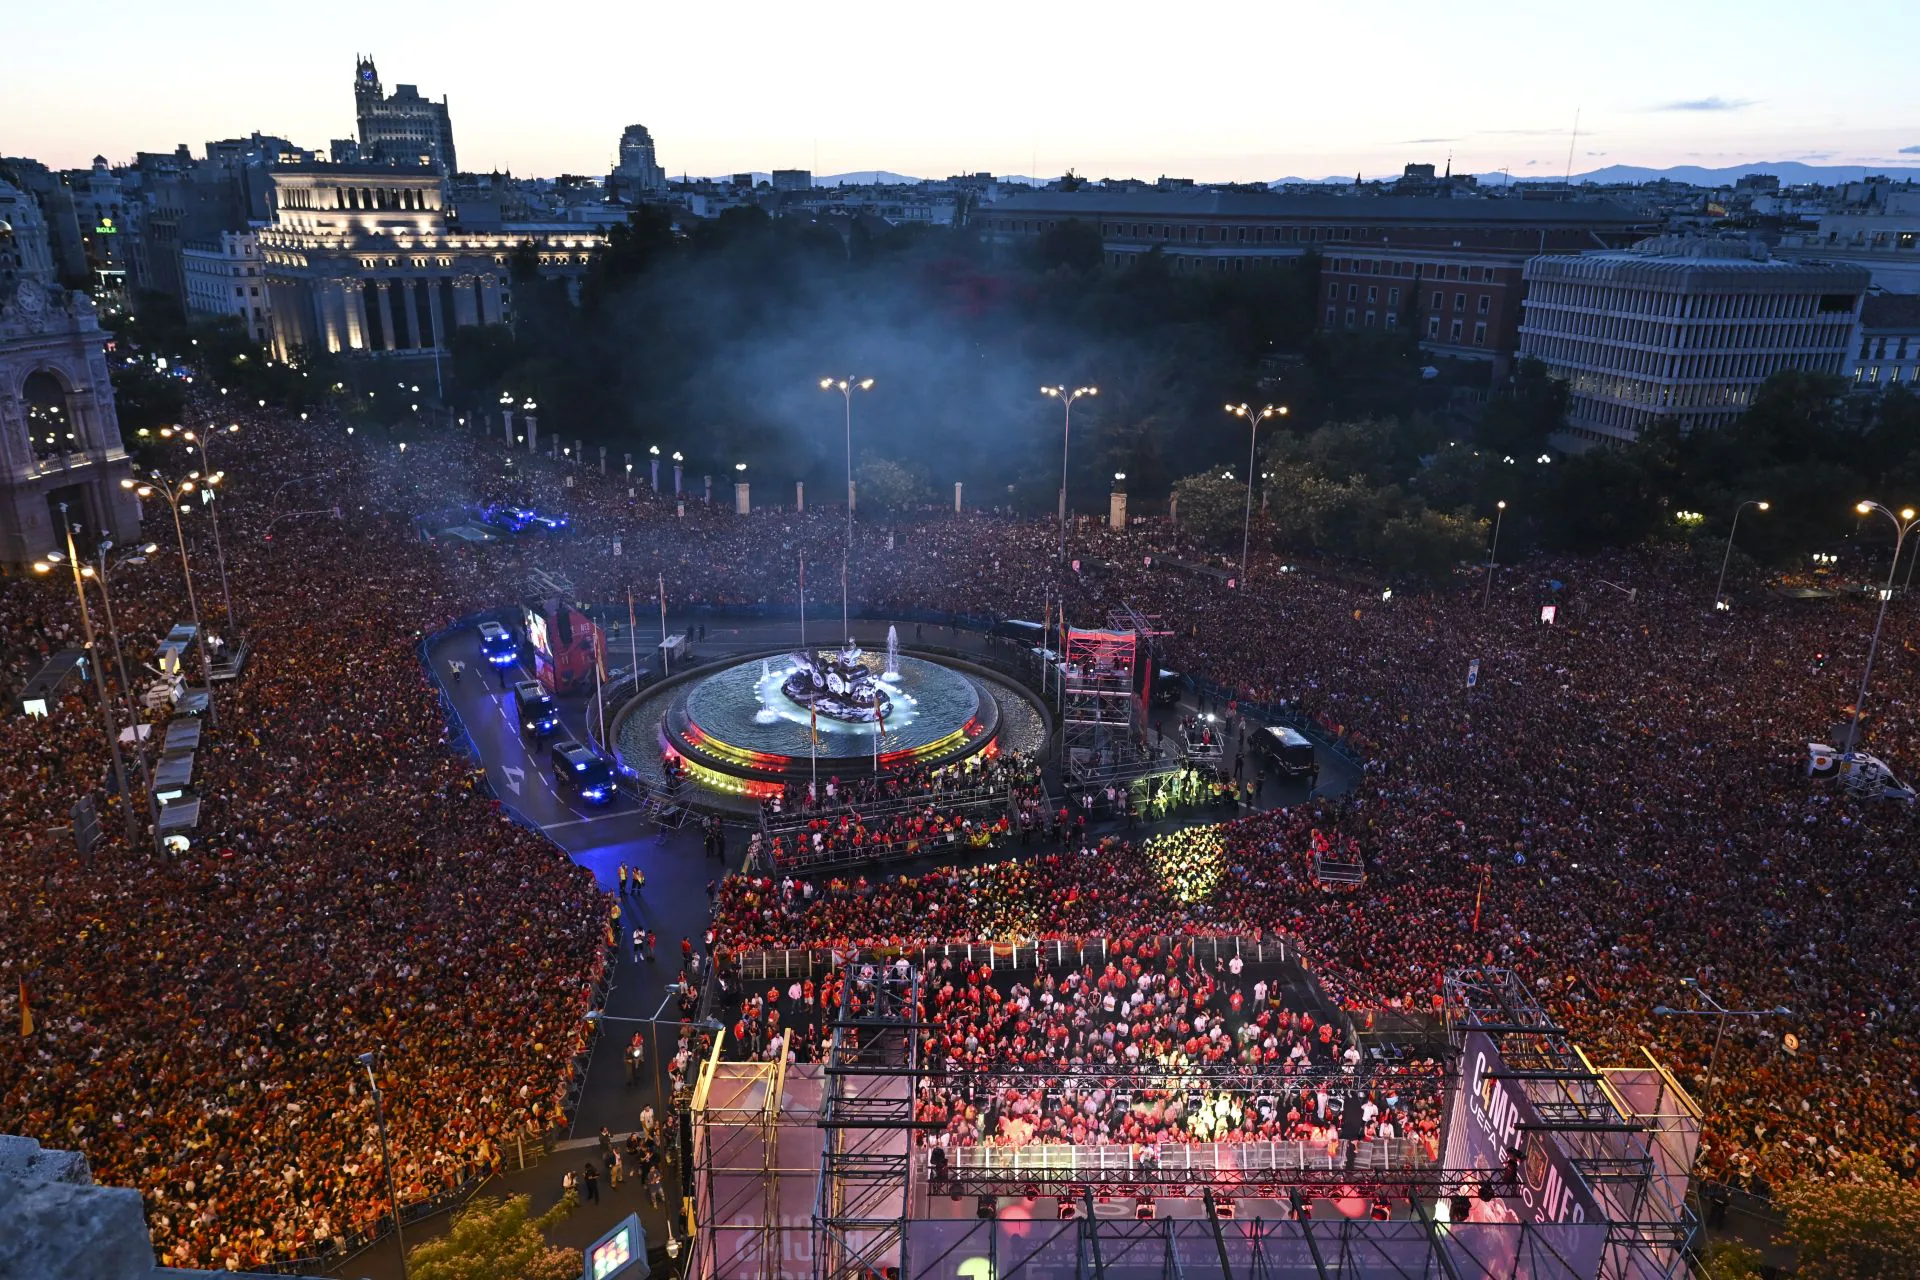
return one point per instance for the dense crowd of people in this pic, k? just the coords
(1617, 802)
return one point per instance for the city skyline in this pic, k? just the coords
(1713, 85)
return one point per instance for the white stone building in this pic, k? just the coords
(1681, 329)
(365, 258)
(225, 277)
(59, 435)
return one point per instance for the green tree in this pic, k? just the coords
(1073, 244)
(493, 1239)
(1212, 506)
(882, 482)
(1731, 1260)
(1428, 544)
(1859, 1223)
(1524, 413)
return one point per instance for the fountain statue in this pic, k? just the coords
(892, 675)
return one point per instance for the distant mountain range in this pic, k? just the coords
(1790, 173)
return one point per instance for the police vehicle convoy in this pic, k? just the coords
(534, 709)
(580, 771)
(497, 645)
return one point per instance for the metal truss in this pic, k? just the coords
(866, 1163)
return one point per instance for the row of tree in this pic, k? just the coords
(1417, 499)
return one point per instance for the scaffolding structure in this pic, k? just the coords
(753, 1125)
(1103, 719)
(866, 1160)
(1630, 1131)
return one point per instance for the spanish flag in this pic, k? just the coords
(26, 1011)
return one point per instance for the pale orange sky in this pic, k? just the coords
(1232, 90)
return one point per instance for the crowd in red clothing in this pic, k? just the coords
(1618, 802)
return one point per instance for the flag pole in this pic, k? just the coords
(599, 666)
(803, 598)
(666, 660)
(633, 639)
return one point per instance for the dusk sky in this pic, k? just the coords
(1231, 90)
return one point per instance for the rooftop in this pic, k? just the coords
(1891, 311)
(1269, 204)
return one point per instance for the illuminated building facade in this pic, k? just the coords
(372, 259)
(403, 128)
(59, 435)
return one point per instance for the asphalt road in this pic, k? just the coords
(674, 905)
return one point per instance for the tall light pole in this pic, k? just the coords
(199, 442)
(99, 676)
(1493, 550)
(1719, 594)
(386, 1159)
(1066, 399)
(167, 491)
(1254, 418)
(1903, 525)
(1719, 1013)
(846, 387)
(120, 663)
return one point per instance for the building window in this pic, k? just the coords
(1459, 302)
(1393, 320)
(1373, 293)
(1333, 293)
(1369, 319)
(1873, 375)
(1353, 294)
(1439, 299)
(1433, 328)
(1480, 334)
(1486, 303)
(1349, 317)
(1453, 334)
(1331, 314)
(1393, 300)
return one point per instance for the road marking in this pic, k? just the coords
(514, 776)
(581, 822)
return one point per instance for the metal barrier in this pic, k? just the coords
(800, 962)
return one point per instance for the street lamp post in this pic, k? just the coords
(1903, 525)
(1254, 418)
(1066, 399)
(1719, 595)
(386, 1159)
(846, 387)
(99, 676)
(1493, 551)
(1719, 1013)
(120, 664)
(186, 569)
(220, 557)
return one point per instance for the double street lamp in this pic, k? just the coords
(1719, 1013)
(1719, 594)
(173, 494)
(1903, 524)
(386, 1158)
(80, 574)
(1066, 399)
(846, 387)
(1254, 418)
(198, 442)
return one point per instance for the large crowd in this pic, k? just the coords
(1617, 802)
